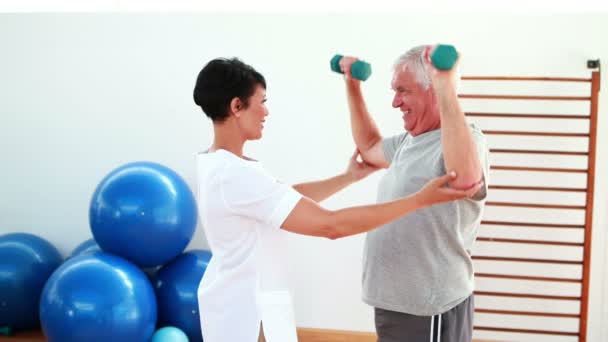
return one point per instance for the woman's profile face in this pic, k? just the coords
(251, 119)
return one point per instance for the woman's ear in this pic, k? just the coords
(235, 106)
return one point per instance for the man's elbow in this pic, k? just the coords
(466, 181)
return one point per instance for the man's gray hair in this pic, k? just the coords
(412, 60)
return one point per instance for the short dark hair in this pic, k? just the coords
(220, 81)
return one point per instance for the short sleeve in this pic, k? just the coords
(483, 152)
(249, 191)
(391, 145)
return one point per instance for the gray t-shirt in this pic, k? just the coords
(421, 263)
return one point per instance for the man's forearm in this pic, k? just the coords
(320, 190)
(459, 149)
(364, 129)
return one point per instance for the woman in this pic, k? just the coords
(246, 213)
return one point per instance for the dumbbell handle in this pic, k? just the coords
(359, 70)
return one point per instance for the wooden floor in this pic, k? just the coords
(304, 335)
(34, 336)
(324, 335)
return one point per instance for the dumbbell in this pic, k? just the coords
(359, 70)
(6, 331)
(444, 57)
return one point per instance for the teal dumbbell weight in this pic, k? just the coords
(444, 57)
(6, 331)
(359, 70)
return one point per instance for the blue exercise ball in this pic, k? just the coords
(87, 247)
(176, 286)
(26, 263)
(169, 334)
(144, 212)
(98, 297)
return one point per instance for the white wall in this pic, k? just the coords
(83, 94)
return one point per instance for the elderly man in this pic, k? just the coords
(417, 270)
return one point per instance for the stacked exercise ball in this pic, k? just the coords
(86, 248)
(169, 334)
(142, 215)
(26, 262)
(98, 297)
(176, 284)
(143, 212)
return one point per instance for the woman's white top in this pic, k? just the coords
(241, 208)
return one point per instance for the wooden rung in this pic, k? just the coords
(542, 261)
(535, 188)
(527, 313)
(526, 331)
(534, 225)
(529, 116)
(525, 295)
(518, 277)
(544, 134)
(524, 97)
(536, 205)
(536, 169)
(568, 153)
(524, 78)
(535, 242)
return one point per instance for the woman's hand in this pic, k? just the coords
(358, 170)
(438, 191)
